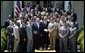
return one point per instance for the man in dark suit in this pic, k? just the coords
(45, 32)
(36, 33)
(23, 37)
(10, 37)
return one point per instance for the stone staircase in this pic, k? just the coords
(45, 51)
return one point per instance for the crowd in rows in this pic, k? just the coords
(42, 28)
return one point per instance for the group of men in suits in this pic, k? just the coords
(42, 28)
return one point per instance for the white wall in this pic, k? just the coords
(6, 9)
(78, 7)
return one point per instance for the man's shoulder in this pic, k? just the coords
(16, 27)
(55, 23)
(9, 27)
(50, 23)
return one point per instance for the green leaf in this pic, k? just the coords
(80, 37)
(3, 39)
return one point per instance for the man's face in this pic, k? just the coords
(29, 20)
(52, 19)
(62, 17)
(59, 15)
(37, 19)
(69, 17)
(63, 24)
(45, 17)
(56, 13)
(39, 12)
(72, 24)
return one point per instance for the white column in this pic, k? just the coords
(66, 4)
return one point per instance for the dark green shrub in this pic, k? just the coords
(3, 39)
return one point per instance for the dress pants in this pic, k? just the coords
(46, 39)
(9, 43)
(72, 44)
(41, 41)
(36, 40)
(16, 45)
(63, 44)
(52, 42)
(29, 45)
(23, 46)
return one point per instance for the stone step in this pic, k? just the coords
(45, 51)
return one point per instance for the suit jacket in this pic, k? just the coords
(63, 31)
(16, 32)
(9, 35)
(45, 25)
(10, 30)
(73, 31)
(23, 34)
(54, 31)
(29, 31)
(35, 27)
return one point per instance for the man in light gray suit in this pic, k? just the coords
(16, 37)
(72, 37)
(29, 36)
(63, 32)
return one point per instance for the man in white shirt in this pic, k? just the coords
(16, 37)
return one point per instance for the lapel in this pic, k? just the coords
(36, 25)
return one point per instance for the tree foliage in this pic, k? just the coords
(80, 39)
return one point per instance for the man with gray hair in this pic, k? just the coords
(63, 32)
